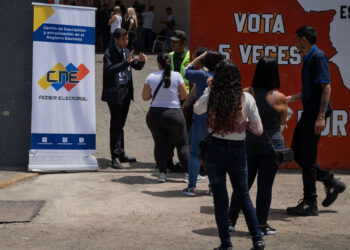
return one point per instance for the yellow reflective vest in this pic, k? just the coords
(184, 64)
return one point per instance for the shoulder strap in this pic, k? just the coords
(272, 96)
(156, 91)
(269, 138)
(251, 91)
(208, 136)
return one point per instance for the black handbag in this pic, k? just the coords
(203, 144)
(285, 155)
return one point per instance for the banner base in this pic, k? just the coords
(61, 163)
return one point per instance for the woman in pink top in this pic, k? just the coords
(230, 111)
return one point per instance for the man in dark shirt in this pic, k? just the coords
(315, 96)
(118, 91)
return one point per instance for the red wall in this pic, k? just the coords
(212, 25)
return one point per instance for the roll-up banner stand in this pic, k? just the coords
(63, 132)
(244, 31)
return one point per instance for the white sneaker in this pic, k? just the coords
(200, 178)
(231, 228)
(189, 192)
(186, 178)
(161, 177)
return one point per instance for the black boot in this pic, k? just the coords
(304, 208)
(258, 245)
(332, 189)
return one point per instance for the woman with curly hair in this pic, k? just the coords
(230, 111)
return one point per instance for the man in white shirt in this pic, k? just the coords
(170, 25)
(146, 35)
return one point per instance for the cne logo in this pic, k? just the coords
(60, 76)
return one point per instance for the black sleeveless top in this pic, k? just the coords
(269, 119)
(127, 25)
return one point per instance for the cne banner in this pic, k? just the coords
(63, 131)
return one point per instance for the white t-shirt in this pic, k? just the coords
(250, 117)
(117, 24)
(166, 97)
(171, 17)
(148, 19)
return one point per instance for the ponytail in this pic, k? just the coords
(164, 61)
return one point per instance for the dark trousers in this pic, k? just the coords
(226, 156)
(188, 120)
(119, 112)
(260, 156)
(146, 39)
(132, 36)
(168, 129)
(304, 146)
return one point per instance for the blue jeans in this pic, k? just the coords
(146, 38)
(261, 162)
(198, 133)
(226, 156)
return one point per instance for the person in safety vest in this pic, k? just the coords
(179, 59)
(180, 56)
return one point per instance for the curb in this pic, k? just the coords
(16, 178)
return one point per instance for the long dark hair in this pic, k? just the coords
(225, 99)
(164, 61)
(266, 74)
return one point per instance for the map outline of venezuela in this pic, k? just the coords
(338, 34)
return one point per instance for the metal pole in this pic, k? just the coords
(57, 2)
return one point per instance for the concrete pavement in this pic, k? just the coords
(8, 178)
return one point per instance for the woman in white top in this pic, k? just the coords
(165, 118)
(230, 111)
(115, 22)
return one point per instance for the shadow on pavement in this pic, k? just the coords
(104, 163)
(281, 214)
(275, 213)
(166, 194)
(172, 194)
(213, 232)
(207, 209)
(327, 212)
(135, 180)
(142, 165)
